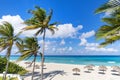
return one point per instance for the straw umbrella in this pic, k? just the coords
(27, 63)
(89, 67)
(37, 66)
(118, 70)
(115, 68)
(76, 70)
(102, 68)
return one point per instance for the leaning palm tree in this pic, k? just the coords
(28, 48)
(110, 6)
(110, 31)
(41, 21)
(7, 39)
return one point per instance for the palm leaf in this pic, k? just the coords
(40, 31)
(105, 31)
(22, 57)
(30, 27)
(112, 5)
(111, 21)
(52, 24)
(48, 18)
(110, 40)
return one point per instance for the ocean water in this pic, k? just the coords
(79, 60)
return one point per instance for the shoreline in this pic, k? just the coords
(112, 62)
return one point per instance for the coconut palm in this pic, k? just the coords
(7, 39)
(41, 22)
(110, 6)
(28, 48)
(110, 32)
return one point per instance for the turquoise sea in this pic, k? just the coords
(79, 60)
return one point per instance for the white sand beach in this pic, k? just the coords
(54, 71)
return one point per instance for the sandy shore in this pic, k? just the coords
(54, 71)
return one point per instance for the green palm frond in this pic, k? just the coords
(110, 40)
(111, 21)
(40, 20)
(39, 14)
(48, 18)
(105, 31)
(28, 48)
(31, 27)
(40, 31)
(6, 29)
(24, 56)
(53, 24)
(20, 46)
(52, 29)
(105, 7)
(111, 5)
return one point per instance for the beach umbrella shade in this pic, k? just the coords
(115, 68)
(76, 70)
(102, 68)
(118, 70)
(27, 63)
(37, 66)
(89, 67)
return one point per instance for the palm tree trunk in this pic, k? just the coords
(4, 76)
(42, 58)
(33, 67)
(8, 58)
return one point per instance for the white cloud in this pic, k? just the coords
(70, 49)
(16, 21)
(101, 49)
(65, 31)
(87, 34)
(93, 46)
(83, 42)
(62, 42)
(53, 49)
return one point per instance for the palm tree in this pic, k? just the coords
(110, 6)
(111, 31)
(40, 21)
(7, 39)
(28, 48)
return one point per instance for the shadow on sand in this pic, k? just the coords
(115, 74)
(87, 71)
(76, 74)
(50, 75)
(101, 72)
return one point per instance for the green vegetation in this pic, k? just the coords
(110, 32)
(28, 51)
(14, 78)
(41, 21)
(7, 40)
(13, 68)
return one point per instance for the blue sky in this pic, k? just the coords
(77, 27)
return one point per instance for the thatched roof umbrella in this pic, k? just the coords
(118, 70)
(27, 63)
(76, 70)
(89, 67)
(115, 68)
(37, 66)
(102, 68)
